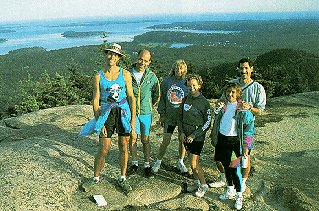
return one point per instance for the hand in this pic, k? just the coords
(182, 137)
(218, 106)
(189, 139)
(246, 106)
(133, 126)
(104, 131)
(246, 152)
(133, 137)
(162, 120)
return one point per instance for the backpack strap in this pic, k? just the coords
(248, 85)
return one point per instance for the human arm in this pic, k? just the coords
(96, 95)
(258, 98)
(130, 98)
(162, 102)
(96, 99)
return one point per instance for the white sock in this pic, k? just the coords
(147, 164)
(240, 194)
(159, 161)
(96, 178)
(181, 161)
(122, 178)
(135, 162)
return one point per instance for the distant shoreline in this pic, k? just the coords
(51, 34)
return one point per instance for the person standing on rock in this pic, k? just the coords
(173, 91)
(114, 107)
(194, 121)
(146, 90)
(254, 99)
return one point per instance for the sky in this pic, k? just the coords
(21, 10)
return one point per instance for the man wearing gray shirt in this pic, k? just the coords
(254, 99)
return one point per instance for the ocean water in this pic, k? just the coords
(48, 33)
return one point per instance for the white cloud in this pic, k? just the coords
(46, 9)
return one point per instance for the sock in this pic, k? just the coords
(147, 164)
(96, 179)
(135, 162)
(197, 182)
(181, 161)
(240, 194)
(204, 186)
(244, 180)
(159, 161)
(122, 178)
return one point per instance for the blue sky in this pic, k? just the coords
(15, 10)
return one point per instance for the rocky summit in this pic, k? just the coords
(44, 163)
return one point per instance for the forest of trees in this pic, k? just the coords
(34, 78)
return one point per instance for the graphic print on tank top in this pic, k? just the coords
(114, 91)
(175, 95)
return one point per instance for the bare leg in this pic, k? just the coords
(166, 141)
(197, 168)
(99, 161)
(133, 148)
(146, 148)
(181, 150)
(123, 153)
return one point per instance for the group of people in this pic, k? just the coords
(123, 101)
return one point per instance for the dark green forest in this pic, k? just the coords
(285, 54)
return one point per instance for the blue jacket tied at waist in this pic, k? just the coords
(96, 125)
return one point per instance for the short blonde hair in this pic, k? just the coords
(234, 86)
(176, 65)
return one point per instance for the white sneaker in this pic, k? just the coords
(202, 189)
(181, 166)
(239, 202)
(193, 187)
(156, 166)
(229, 193)
(218, 184)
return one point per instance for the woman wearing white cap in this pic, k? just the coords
(114, 107)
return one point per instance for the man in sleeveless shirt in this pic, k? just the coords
(113, 96)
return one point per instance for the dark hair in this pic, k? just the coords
(198, 78)
(243, 60)
(234, 86)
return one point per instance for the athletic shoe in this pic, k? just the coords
(124, 184)
(192, 187)
(239, 202)
(202, 189)
(181, 166)
(133, 169)
(89, 185)
(229, 193)
(218, 184)
(156, 166)
(147, 172)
